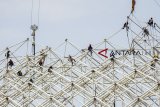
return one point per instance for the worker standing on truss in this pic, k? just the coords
(145, 31)
(42, 59)
(150, 22)
(10, 63)
(90, 49)
(72, 60)
(7, 54)
(126, 26)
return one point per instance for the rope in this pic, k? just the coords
(139, 21)
(17, 44)
(59, 46)
(135, 23)
(65, 49)
(114, 34)
(19, 47)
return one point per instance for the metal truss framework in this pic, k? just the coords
(50, 80)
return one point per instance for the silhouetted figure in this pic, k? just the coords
(126, 26)
(31, 80)
(7, 54)
(156, 57)
(153, 64)
(150, 22)
(19, 73)
(71, 60)
(41, 61)
(10, 63)
(50, 69)
(145, 31)
(90, 49)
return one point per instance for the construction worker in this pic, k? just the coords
(150, 22)
(7, 54)
(71, 59)
(90, 49)
(145, 31)
(152, 63)
(50, 69)
(42, 60)
(156, 57)
(31, 80)
(19, 73)
(10, 63)
(126, 26)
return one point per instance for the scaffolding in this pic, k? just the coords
(63, 77)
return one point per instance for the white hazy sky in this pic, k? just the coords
(81, 21)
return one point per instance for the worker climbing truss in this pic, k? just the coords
(100, 75)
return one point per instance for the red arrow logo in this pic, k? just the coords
(102, 53)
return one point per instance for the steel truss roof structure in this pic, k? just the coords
(50, 80)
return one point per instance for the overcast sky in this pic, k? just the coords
(81, 21)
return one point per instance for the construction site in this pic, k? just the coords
(100, 75)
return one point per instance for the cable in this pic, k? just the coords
(128, 40)
(65, 48)
(39, 6)
(38, 12)
(158, 4)
(31, 12)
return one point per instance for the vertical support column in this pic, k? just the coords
(105, 43)
(34, 28)
(6, 85)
